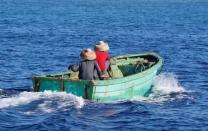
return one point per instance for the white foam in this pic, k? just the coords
(44, 107)
(164, 85)
(22, 98)
(62, 99)
(167, 83)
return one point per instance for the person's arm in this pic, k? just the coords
(108, 57)
(74, 67)
(98, 69)
(107, 62)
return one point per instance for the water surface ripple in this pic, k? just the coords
(40, 37)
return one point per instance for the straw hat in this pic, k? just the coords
(88, 54)
(102, 46)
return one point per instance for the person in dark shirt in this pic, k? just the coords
(88, 66)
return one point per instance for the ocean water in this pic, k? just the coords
(40, 37)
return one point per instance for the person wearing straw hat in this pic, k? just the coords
(102, 56)
(88, 66)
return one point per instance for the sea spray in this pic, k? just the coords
(167, 83)
(164, 85)
(61, 98)
(22, 98)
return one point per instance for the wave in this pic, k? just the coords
(48, 98)
(166, 87)
(167, 83)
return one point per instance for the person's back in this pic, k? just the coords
(88, 66)
(102, 57)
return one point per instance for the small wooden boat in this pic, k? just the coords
(130, 76)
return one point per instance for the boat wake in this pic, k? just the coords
(167, 83)
(45, 102)
(165, 88)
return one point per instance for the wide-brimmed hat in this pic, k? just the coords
(88, 54)
(102, 46)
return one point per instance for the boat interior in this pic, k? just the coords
(125, 66)
(121, 66)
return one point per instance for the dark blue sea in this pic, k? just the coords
(39, 37)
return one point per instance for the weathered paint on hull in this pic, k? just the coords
(124, 91)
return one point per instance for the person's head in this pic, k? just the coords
(102, 46)
(88, 54)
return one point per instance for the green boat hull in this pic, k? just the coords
(127, 80)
